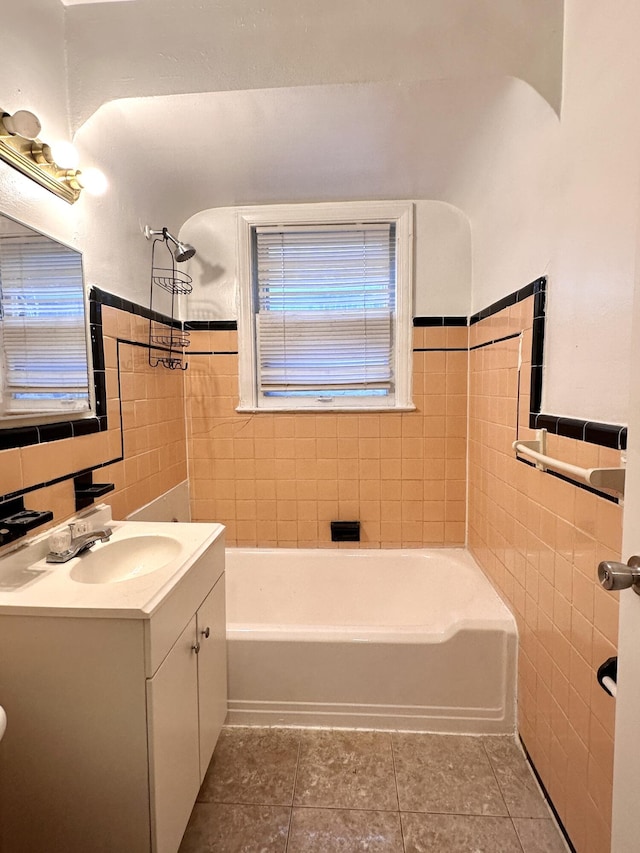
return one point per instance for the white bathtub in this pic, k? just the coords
(408, 639)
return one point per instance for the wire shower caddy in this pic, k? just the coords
(167, 345)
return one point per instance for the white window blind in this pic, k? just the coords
(325, 306)
(43, 343)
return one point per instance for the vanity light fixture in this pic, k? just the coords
(55, 167)
(92, 180)
(23, 123)
(65, 155)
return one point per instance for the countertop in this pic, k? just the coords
(31, 586)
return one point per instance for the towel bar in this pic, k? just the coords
(598, 478)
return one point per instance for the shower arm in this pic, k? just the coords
(160, 232)
(182, 251)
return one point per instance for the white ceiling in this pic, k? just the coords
(165, 47)
(320, 143)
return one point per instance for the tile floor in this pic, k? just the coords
(272, 790)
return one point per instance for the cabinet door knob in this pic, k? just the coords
(196, 647)
(206, 632)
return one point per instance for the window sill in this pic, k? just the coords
(362, 410)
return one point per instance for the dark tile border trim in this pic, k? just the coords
(509, 300)
(26, 436)
(605, 435)
(27, 489)
(424, 322)
(495, 341)
(215, 352)
(232, 325)
(537, 347)
(112, 301)
(78, 429)
(440, 349)
(13, 437)
(561, 825)
(210, 325)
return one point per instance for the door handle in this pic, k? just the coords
(614, 575)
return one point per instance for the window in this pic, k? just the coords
(325, 314)
(43, 345)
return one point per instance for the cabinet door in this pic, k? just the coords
(172, 719)
(212, 671)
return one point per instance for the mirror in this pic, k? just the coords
(44, 366)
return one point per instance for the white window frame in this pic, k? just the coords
(400, 214)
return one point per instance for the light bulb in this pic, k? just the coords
(92, 180)
(65, 155)
(22, 123)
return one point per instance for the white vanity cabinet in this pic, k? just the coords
(113, 718)
(212, 672)
(174, 751)
(186, 707)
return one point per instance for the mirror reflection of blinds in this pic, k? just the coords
(325, 308)
(42, 331)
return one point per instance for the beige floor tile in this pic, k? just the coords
(230, 828)
(449, 774)
(517, 784)
(344, 831)
(339, 769)
(439, 833)
(252, 765)
(345, 797)
(539, 836)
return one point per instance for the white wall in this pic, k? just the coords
(591, 290)
(105, 230)
(442, 262)
(158, 47)
(540, 196)
(34, 78)
(509, 188)
(562, 199)
(117, 256)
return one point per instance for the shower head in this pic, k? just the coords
(181, 251)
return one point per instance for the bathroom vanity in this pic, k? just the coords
(115, 689)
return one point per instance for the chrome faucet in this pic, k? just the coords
(79, 544)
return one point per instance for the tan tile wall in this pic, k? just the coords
(277, 479)
(152, 405)
(540, 540)
(23, 467)
(153, 417)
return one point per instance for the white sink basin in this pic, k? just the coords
(128, 577)
(125, 559)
